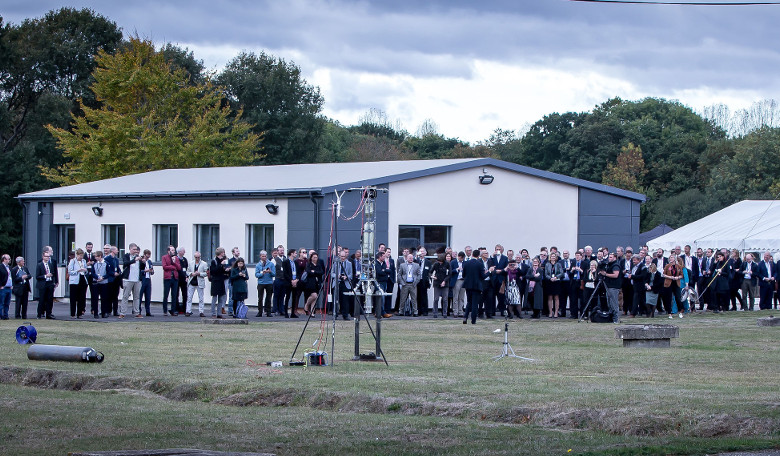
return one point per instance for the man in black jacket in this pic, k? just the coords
(182, 279)
(473, 278)
(21, 287)
(46, 281)
(425, 281)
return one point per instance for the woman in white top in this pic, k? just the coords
(77, 280)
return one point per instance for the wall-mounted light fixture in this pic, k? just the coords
(272, 209)
(485, 178)
(97, 210)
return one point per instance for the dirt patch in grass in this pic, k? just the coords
(625, 421)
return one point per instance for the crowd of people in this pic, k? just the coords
(473, 283)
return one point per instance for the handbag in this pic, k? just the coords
(502, 290)
(241, 310)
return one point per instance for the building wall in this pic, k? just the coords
(607, 220)
(516, 210)
(139, 218)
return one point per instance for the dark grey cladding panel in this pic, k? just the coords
(599, 203)
(605, 225)
(606, 219)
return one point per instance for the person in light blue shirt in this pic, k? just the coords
(265, 271)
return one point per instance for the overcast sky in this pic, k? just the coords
(474, 66)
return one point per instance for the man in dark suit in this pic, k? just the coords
(627, 286)
(487, 308)
(46, 281)
(6, 285)
(660, 260)
(578, 267)
(114, 273)
(390, 267)
(341, 281)
(748, 274)
(499, 263)
(282, 281)
(21, 287)
(474, 275)
(566, 290)
(767, 277)
(425, 281)
(89, 257)
(705, 277)
(180, 252)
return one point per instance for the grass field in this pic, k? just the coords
(184, 384)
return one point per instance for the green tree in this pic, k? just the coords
(150, 118)
(752, 172)
(45, 65)
(279, 102)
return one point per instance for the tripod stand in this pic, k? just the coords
(506, 350)
(600, 283)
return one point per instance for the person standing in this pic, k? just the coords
(514, 299)
(46, 281)
(567, 264)
(171, 268)
(499, 263)
(182, 288)
(474, 274)
(408, 277)
(146, 282)
(6, 286)
(77, 281)
(132, 277)
(100, 275)
(440, 279)
(21, 287)
(627, 286)
(294, 276)
(553, 275)
(425, 281)
(265, 271)
(749, 286)
(341, 281)
(390, 267)
(722, 284)
(638, 277)
(613, 282)
(89, 257)
(115, 282)
(219, 273)
(312, 282)
(281, 282)
(576, 272)
(239, 277)
(378, 300)
(456, 283)
(767, 273)
(197, 272)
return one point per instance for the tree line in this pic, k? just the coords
(80, 102)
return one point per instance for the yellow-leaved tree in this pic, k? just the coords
(150, 117)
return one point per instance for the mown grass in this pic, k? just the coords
(714, 390)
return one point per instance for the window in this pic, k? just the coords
(66, 243)
(115, 235)
(261, 237)
(432, 237)
(165, 235)
(206, 240)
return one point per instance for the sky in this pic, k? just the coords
(473, 66)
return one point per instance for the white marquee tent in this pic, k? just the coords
(751, 226)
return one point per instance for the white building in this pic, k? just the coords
(477, 202)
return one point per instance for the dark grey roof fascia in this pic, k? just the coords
(490, 162)
(211, 194)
